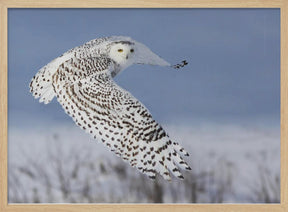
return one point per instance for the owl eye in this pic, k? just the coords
(131, 50)
(120, 50)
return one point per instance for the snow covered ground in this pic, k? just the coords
(230, 164)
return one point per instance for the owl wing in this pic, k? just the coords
(87, 92)
(41, 84)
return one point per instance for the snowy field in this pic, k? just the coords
(230, 164)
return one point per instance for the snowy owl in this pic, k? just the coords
(82, 81)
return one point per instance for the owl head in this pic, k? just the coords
(128, 52)
(123, 53)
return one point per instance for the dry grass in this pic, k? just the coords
(75, 177)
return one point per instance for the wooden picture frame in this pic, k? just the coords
(6, 4)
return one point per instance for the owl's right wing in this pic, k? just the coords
(112, 115)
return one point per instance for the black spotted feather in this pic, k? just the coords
(113, 116)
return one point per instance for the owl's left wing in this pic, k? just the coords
(87, 92)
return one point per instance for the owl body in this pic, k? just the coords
(82, 81)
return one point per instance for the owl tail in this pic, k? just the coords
(41, 85)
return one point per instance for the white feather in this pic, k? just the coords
(82, 81)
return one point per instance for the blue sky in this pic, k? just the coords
(233, 74)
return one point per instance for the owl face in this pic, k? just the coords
(122, 53)
(126, 53)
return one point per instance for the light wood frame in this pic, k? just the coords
(6, 4)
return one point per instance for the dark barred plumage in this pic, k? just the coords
(83, 85)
